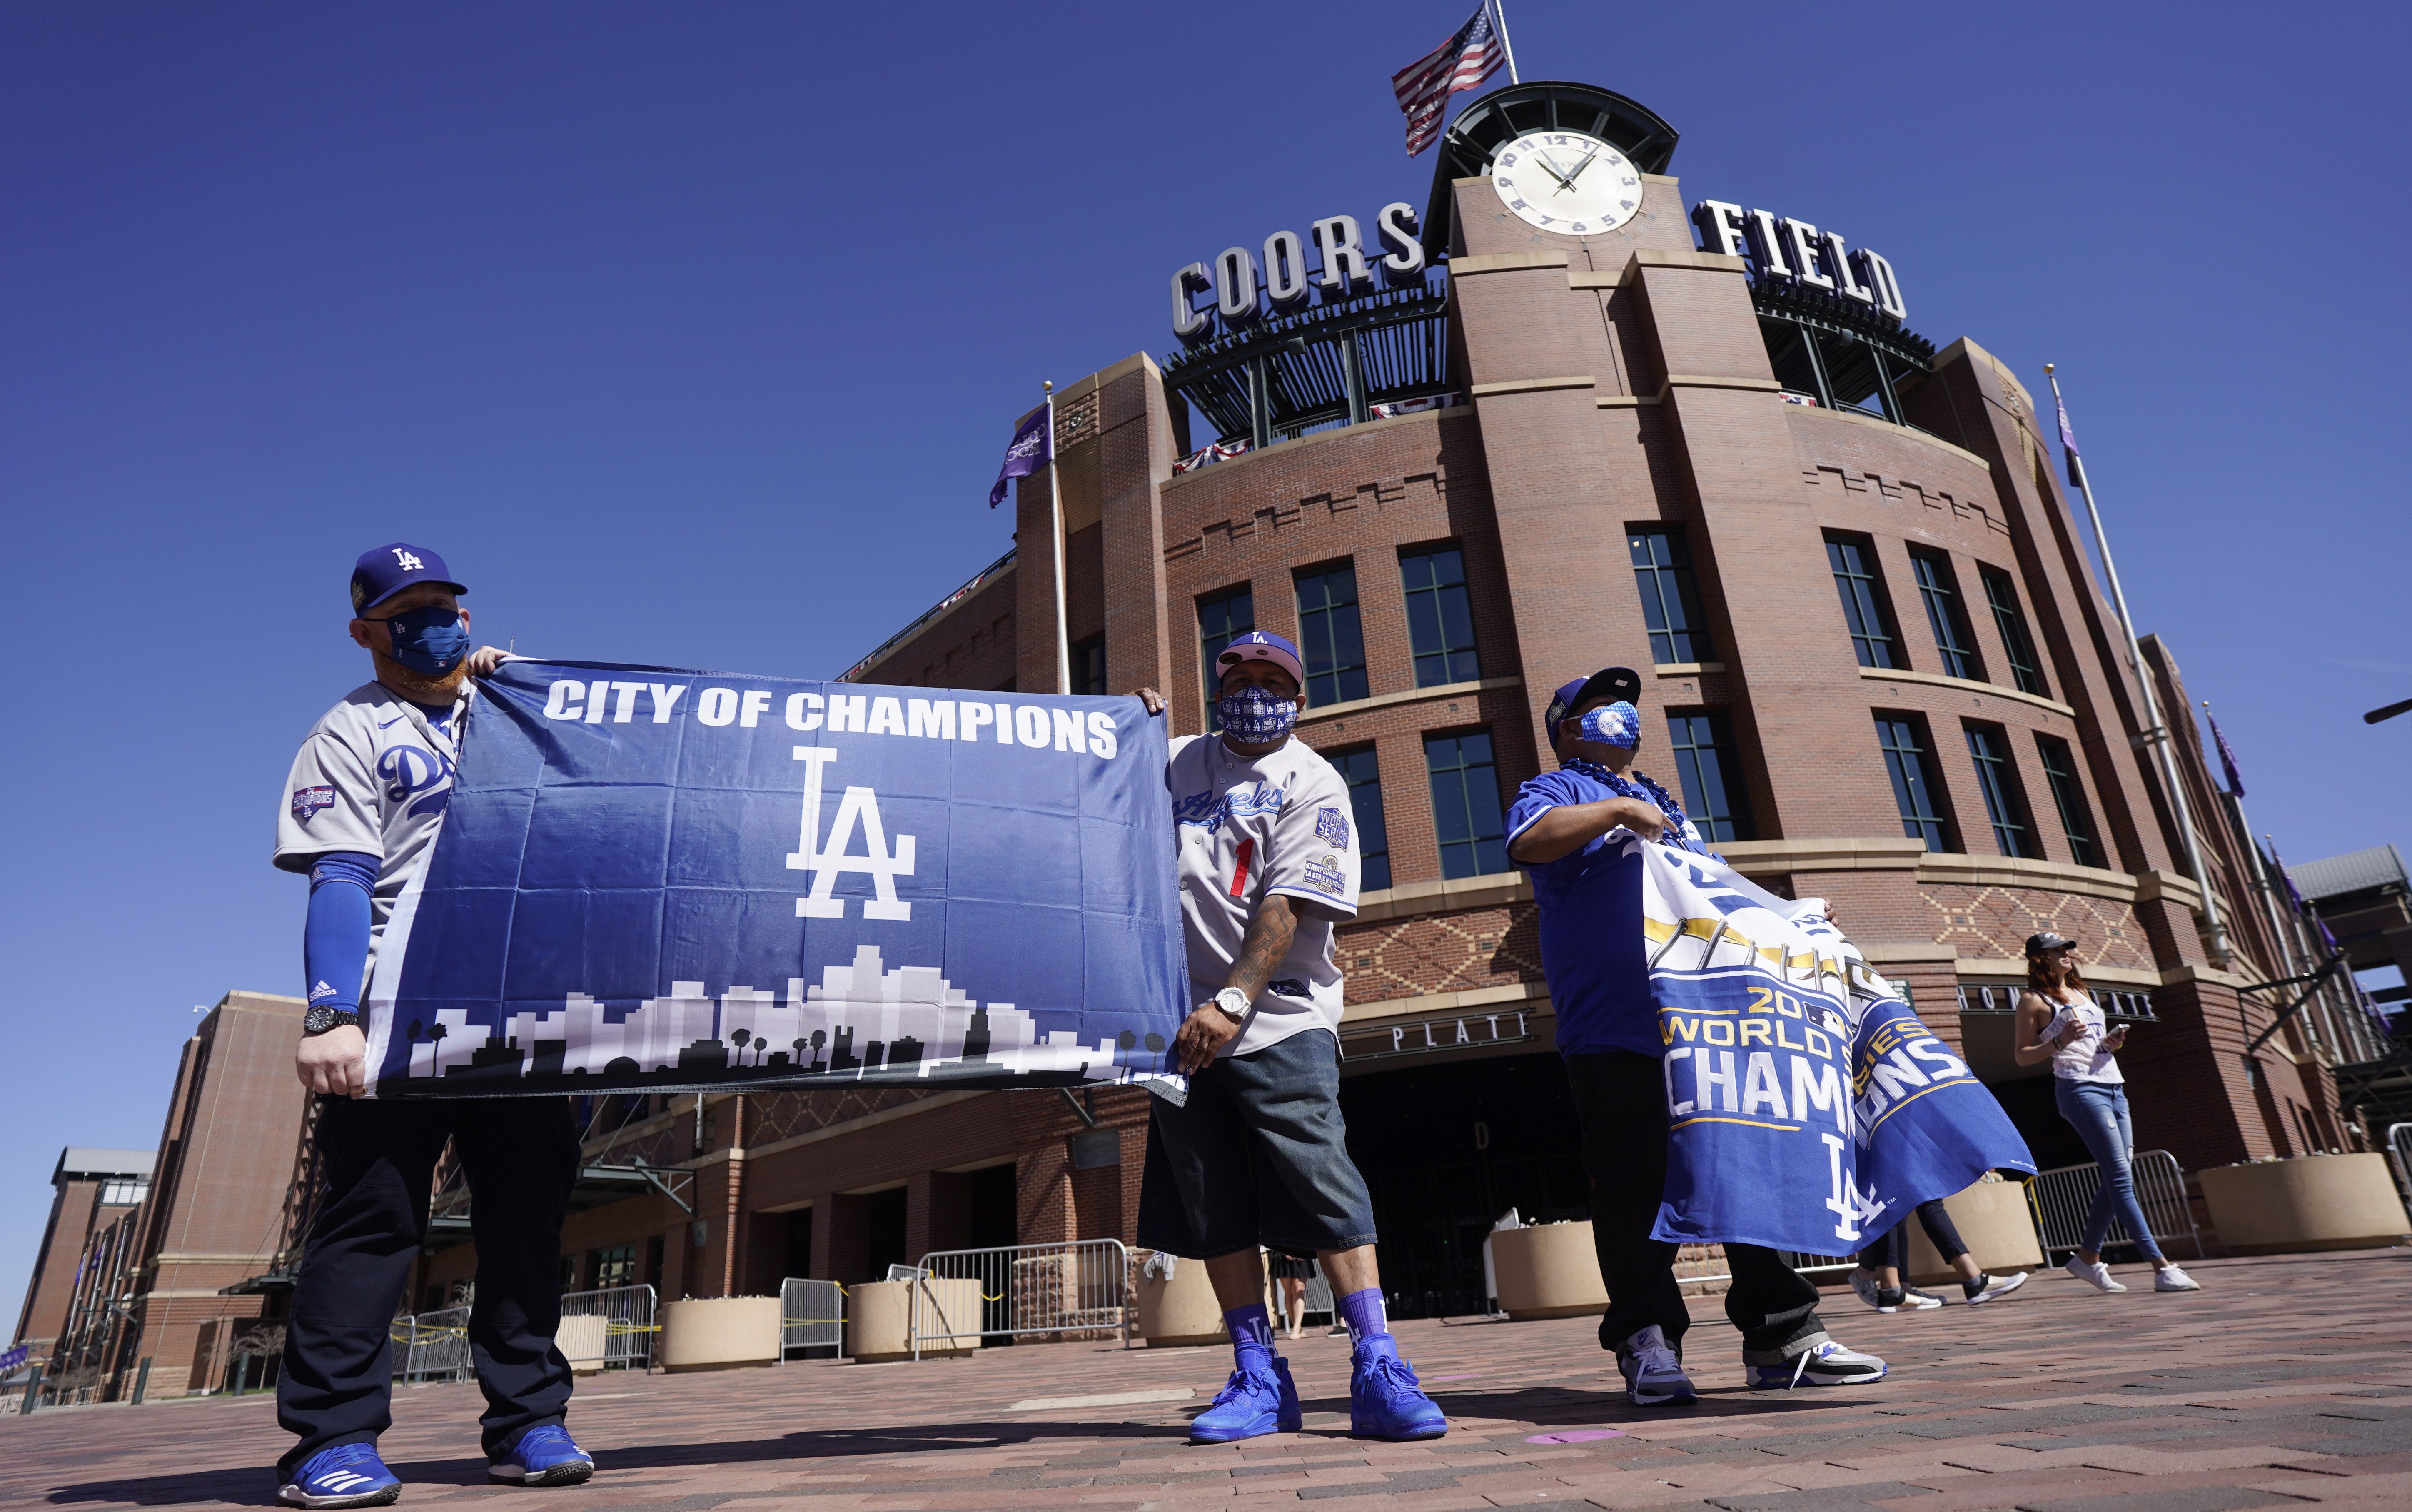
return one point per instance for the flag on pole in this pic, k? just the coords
(1033, 449)
(1424, 87)
(2067, 438)
(2227, 756)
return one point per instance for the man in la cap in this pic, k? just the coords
(1267, 850)
(1589, 894)
(359, 816)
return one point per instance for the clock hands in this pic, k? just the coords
(1579, 166)
(1552, 170)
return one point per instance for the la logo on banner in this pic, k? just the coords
(860, 807)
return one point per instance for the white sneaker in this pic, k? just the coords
(2170, 1278)
(1993, 1286)
(2096, 1275)
(1918, 1301)
(1826, 1364)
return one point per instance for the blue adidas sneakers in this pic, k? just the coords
(544, 1456)
(349, 1475)
(1250, 1404)
(1385, 1400)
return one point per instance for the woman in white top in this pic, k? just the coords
(2059, 1022)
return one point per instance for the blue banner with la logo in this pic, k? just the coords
(652, 879)
(1808, 1108)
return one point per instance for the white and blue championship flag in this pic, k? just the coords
(657, 880)
(1808, 1108)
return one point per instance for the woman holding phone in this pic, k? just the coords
(2059, 1022)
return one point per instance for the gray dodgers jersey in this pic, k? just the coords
(373, 776)
(1280, 823)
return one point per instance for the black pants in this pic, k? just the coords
(1623, 1103)
(1891, 1248)
(379, 1159)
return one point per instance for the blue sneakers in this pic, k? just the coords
(349, 1475)
(1383, 1401)
(1250, 1404)
(544, 1456)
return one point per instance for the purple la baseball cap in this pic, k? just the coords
(379, 575)
(1614, 685)
(1260, 646)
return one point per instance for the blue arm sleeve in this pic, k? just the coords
(335, 936)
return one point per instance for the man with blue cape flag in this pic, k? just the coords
(1742, 1075)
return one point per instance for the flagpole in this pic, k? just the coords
(1499, 10)
(1055, 538)
(2155, 734)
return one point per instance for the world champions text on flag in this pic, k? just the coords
(1424, 87)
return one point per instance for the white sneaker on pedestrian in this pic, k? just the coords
(1827, 1363)
(2170, 1278)
(1915, 1300)
(1989, 1286)
(2096, 1275)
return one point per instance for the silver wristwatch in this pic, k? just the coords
(1233, 1005)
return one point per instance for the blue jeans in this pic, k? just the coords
(2098, 1111)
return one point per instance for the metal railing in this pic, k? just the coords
(2399, 1155)
(812, 1316)
(1024, 1291)
(431, 1347)
(623, 1335)
(2061, 1197)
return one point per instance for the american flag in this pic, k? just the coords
(1424, 86)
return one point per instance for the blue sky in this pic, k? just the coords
(692, 335)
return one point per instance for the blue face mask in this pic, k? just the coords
(1614, 723)
(431, 640)
(1255, 715)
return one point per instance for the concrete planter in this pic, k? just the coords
(719, 1333)
(1548, 1271)
(2320, 1202)
(581, 1341)
(1181, 1311)
(1994, 1223)
(879, 1318)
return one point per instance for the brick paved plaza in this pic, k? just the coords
(2286, 1380)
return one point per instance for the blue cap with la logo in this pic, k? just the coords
(379, 575)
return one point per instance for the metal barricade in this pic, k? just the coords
(812, 1316)
(2061, 1197)
(1024, 1291)
(431, 1347)
(621, 1341)
(2399, 1155)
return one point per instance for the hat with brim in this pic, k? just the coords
(1259, 646)
(2047, 942)
(380, 573)
(1609, 684)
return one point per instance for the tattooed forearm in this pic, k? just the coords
(1268, 941)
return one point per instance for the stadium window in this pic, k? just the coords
(1221, 617)
(1670, 602)
(1702, 742)
(1997, 780)
(1089, 665)
(1440, 616)
(1861, 587)
(1938, 588)
(1915, 787)
(2019, 646)
(1467, 822)
(2068, 796)
(1363, 773)
(1330, 638)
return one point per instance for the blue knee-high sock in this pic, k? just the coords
(1252, 1338)
(1365, 1315)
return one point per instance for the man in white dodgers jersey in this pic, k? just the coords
(1267, 854)
(360, 814)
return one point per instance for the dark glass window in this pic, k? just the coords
(1704, 762)
(1221, 617)
(1331, 641)
(2003, 594)
(1856, 579)
(1997, 779)
(1467, 817)
(1089, 665)
(1363, 775)
(2068, 796)
(1440, 618)
(1913, 785)
(1938, 588)
(1671, 605)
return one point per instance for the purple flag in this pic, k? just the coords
(2068, 439)
(1032, 448)
(2227, 756)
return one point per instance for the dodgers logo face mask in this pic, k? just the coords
(1255, 716)
(1614, 723)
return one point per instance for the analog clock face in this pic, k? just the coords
(1565, 181)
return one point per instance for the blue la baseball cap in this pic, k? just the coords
(1616, 684)
(1260, 646)
(379, 575)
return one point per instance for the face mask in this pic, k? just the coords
(430, 640)
(1255, 715)
(1614, 723)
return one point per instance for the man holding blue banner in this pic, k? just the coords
(1590, 890)
(1257, 1155)
(367, 796)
